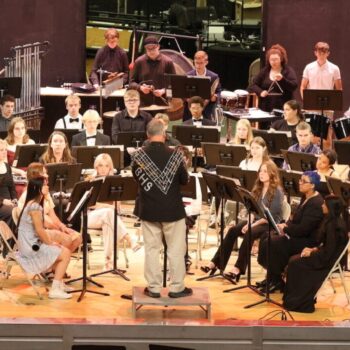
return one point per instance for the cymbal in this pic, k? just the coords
(153, 108)
(110, 114)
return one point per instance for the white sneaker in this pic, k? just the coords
(66, 288)
(59, 294)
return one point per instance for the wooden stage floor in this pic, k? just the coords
(18, 300)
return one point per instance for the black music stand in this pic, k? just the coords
(290, 182)
(32, 133)
(342, 148)
(323, 100)
(275, 141)
(187, 86)
(190, 135)
(84, 194)
(63, 177)
(220, 154)
(117, 188)
(301, 161)
(26, 154)
(69, 133)
(252, 207)
(246, 177)
(131, 138)
(222, 189)
(87, 155)
(11, 86)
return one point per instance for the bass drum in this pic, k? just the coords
(341, 127)
(182, 66)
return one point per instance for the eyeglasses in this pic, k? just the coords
(302, 181)
(132, 100)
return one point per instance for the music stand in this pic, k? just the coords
(192, 136)
(252, 207)
(220, 154)
(87, 155)
(342, 148)
(11, 86)
(117, 188)
(290, 182)
(84, 195)
(301, 161)
(69, 133)
(246, 177)
(183, 86)
(222, 189)
(275, 141)
(62, 177)
(323, 100)
(26, 154)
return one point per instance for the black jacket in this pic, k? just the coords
(80, 139)
(159, 172)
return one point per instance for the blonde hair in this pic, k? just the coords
(10, 139)
(132, 94)
(72, 98)
(91, 114)
(245, 123)
(303, 126)
(104, 157)
(162, 116)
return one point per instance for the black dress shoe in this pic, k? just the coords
(233, 277)
(207, 269)
(274, 287)
(185, 293)
(151, 294)
(261, 283)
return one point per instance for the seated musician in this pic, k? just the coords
(148, 73)
(57, 150)
(102, 215)
(169, 140)
(111, 58)
(256, 155)
(292, 116)
(243, 133)
(57, 230)
(17, 135)
(267, 190)
(298, 232)
(200, 62)
(304, 145)
(324, 164)
(37, 251)
(73, 119)
(131, 118)
(7, 107)
(8, 195)
(91, 136)
(196, 107)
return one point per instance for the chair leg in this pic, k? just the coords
(344, 284)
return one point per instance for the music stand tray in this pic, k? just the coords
(246, 177)
(63, 176)
(131, 138)
(275, 141)
(11, 86)
(192, 136)
(323, 99)
(187, 86)
(301, 161)
(290, 182)
(26, 154)
(220, 154)
(69, 133)
(87, 155)
(343, 151)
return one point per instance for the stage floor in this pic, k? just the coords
(18, 300)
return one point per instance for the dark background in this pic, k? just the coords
(299, 24)
(61, 22)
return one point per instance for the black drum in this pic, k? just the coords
(341, 127)
(319, 124)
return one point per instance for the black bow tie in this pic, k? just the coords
(91, 137)
(76, 120)
(197, 120)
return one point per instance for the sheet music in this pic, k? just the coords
(273, 222)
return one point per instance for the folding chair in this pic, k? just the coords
(12, 257)
(338, 268)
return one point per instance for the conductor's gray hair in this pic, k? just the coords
(155, 127)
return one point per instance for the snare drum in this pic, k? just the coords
(228, 99)
(319, 124)
(242, 98)
(341, 127)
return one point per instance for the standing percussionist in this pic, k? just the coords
(200, 63)
(159, 172)
(148, 73)
(111, 58)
